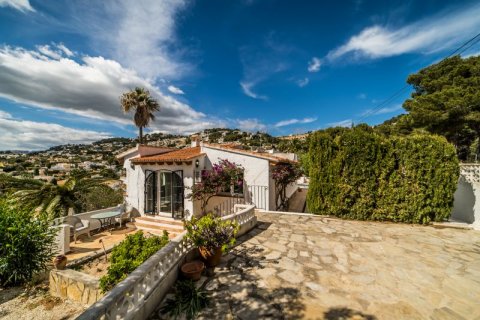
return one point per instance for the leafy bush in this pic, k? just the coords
(211, 232)
(359, 174)
(26, 245)
(128, 255)
(188, 301)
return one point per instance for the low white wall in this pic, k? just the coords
(225, 203)
(139, 294)
(466, 205)
(62, 238)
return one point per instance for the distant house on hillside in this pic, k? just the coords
(157, 179)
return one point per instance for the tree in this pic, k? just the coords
(284, 174)
(140, 101)
(51, 200)
(223, 177)
(446, 101)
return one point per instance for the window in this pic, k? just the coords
(198, 176)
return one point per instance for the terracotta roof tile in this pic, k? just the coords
(173, 156)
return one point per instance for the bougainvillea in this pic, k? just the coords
(284, 174)
(224, 177)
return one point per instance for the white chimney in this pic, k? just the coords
(195, 140)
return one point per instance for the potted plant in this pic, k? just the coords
(212, 236)
(193, 270)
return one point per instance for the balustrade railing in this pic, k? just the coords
(141, 292)
(227, 207)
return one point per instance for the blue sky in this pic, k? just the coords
(270, 65)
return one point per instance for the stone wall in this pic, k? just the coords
(75, 286)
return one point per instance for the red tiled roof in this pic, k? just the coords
(173, 156)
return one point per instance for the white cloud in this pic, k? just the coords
(469, 53)
(250, 125)
(5, 115)
(384, 110)
(344, 123)
(302, 82)
(432, 34)
(247, 89)
(91, 88)
(314, 65)
(21, 5)
(259, 65)
(139, 34)
(294, 121)
(66, 51)
(175, 90)
(47, 51)
(362, 96)
(30, 135)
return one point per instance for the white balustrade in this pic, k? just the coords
(470, 172)
(140, 293)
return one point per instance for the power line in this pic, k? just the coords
(463, 45)
(467, 45)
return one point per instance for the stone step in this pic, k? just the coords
(163, 220)
(155, 231)
(158, 232)
(159, 226)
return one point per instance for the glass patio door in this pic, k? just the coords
(177, 194)
(165, 191)
(150, 192)
(171, 193)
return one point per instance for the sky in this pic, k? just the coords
(278, 66)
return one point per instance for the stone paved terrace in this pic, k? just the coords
(296, 267)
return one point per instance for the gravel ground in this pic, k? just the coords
(18, 303)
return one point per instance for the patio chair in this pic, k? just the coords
(125, 211)
(78, 226)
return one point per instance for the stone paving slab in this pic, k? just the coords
(310, 267)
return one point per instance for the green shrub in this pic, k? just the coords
(26, 245)
(359, 174)
(128, 255)
(188, 301)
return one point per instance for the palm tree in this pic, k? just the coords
(51, 200)
(140, 101)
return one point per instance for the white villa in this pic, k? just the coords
(157, 179)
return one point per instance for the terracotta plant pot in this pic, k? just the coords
(60, 262)
(193, 270)
(211, 260)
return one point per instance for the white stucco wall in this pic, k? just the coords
(135, 183)
(132, 180)
(256, 169)
(466, 206)
(290, 190)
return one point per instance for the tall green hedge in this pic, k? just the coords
(359, 174)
